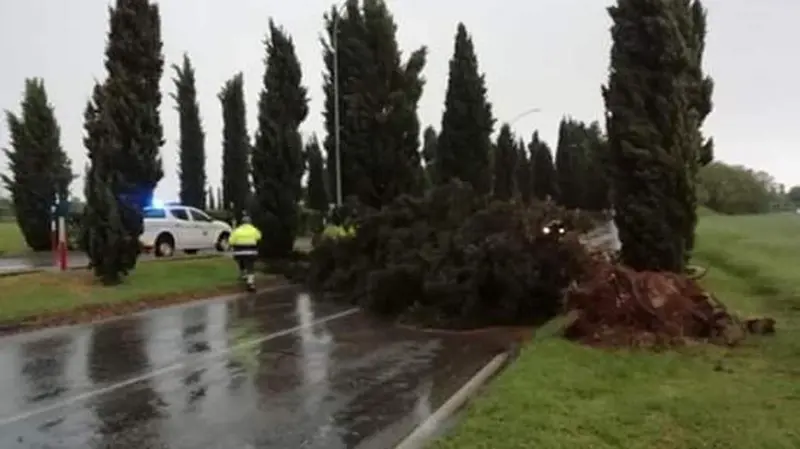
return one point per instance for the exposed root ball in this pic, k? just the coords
(618, 306)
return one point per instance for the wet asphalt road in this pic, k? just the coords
(276, 371)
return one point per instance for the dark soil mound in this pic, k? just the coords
(617, 306)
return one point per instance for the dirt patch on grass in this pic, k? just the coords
(99, 311)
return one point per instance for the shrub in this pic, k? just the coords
(454, 259)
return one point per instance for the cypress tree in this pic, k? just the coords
(429, 144)
(104, 231)
(524, 173)
(39, 169)
(701, 88)
(378, 98)
(278, 162)
(597, 193)
(464, 144)
(652, 150)
(317, 189)
(570, 163)
(192, 161)
(235, 148)
(505, 166)
(543, 171)
(126, 117)
(210, 203)
(703, 85)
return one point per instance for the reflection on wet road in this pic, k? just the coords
(278, 371)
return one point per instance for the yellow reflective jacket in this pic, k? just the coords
(338, 232)
(245, 235)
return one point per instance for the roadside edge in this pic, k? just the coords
(38, 332)
(423, 433)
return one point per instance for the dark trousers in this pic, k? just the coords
(246, 262)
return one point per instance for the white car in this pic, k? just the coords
(182, 228)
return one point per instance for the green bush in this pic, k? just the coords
(454, 259)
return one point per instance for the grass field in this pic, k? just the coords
(48, 292)
(11, 241)
(561, 395)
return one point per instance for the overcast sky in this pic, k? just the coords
(548, 54)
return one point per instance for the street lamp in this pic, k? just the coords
(524, 114)
(336, 119)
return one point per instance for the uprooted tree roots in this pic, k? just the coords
(616, 306)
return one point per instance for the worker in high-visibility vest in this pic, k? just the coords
(244, 244)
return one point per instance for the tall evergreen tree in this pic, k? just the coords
(597, 191)
(429, 138)
(192, 161)
(378, 97)
(210, 203)
(652, 150)
(542, 169)
(278, 160)
(701, 88)
(39, 169)
(235, 148)
(464, 145)
(505, 165)
(317, 188)
(570, 163)
(129, 125)
(524, 173)
(703, 85)
(104, 231)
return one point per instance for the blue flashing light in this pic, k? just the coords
(156, 204)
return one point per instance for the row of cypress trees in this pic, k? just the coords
(646, 165)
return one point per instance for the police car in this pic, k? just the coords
(172, 227)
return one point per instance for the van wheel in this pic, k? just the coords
(165, 246)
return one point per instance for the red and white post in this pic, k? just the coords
(54, 233)
(62, 243)
(61, 229)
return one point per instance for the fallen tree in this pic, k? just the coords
(455, 259)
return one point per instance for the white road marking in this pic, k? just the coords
(171, 368)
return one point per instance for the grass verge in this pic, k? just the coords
(562, 395)
(11, 240)
(52, 298)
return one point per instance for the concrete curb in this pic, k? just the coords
(423, 433)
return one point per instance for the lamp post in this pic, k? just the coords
(524, 114)
(336, 118)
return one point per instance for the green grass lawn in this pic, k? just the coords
(45, 292)
(11, 241)
(562, 395)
